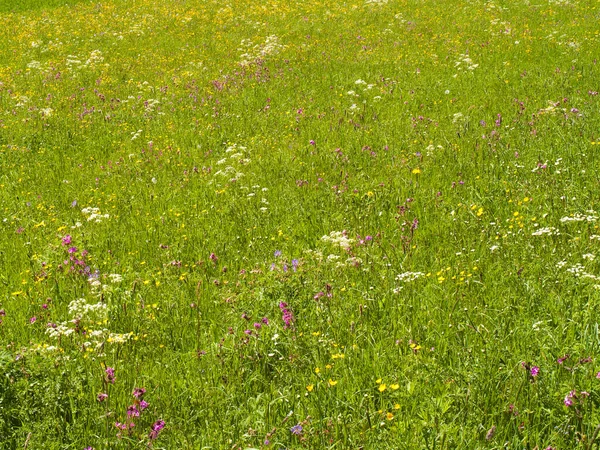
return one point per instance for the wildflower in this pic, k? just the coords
(382, 387)
(139, 393)
(101, 397)
(312, 142)
(277, 253)
(389, 416)
(287, 315)
(568, 401)
(33, 320)
(156, 428)
(132, 411)
(332, 383)
(297, 430)
(110, 375)
(310, 387)
(534, 371)
(562, 359)
(66, 240)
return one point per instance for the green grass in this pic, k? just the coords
(411, 185)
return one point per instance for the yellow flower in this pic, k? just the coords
(382, 387)
(393, 387)
(328, 366)
(317, 370)
(416, 171)
(332, 383)
(389, 416)
(396, 406)
(378, 381)
(310, 387)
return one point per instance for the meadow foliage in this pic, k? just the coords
(247, 224)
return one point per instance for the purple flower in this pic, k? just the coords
(72, 249)
(73, 203)
(143, 404)
(265, 320)
(312, 142)
(33, 320)
(101, 397)
(156, 428)
(562, 359)
(295, 264)
(568, 401)
(297, 430)
(89, 448)
(139, 393)
(598, 375)
(534, 371)
(66, 240)
(286, 315)
(110, 375)
(277, 253)
(257, 325)
(132, 411)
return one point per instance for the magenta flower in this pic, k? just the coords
(110, 375)
(286, 315)
(101, 397)
(132, 411)
(534, 371)
(66, 240)
(33, 320)
(139, 393)
(143, 404)
(72, 249)
(156, 429)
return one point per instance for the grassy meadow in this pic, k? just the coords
(299, 225)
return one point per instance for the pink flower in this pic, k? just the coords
(534, 371)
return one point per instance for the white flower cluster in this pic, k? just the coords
(465, 61)
(591, 217)
(546, 230)
(80, 309)
(338, 238)
(237, 157)
(62, 329)
(407, 277)
(94, 214)
(252, 53)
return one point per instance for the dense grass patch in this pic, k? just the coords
(299, 224)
